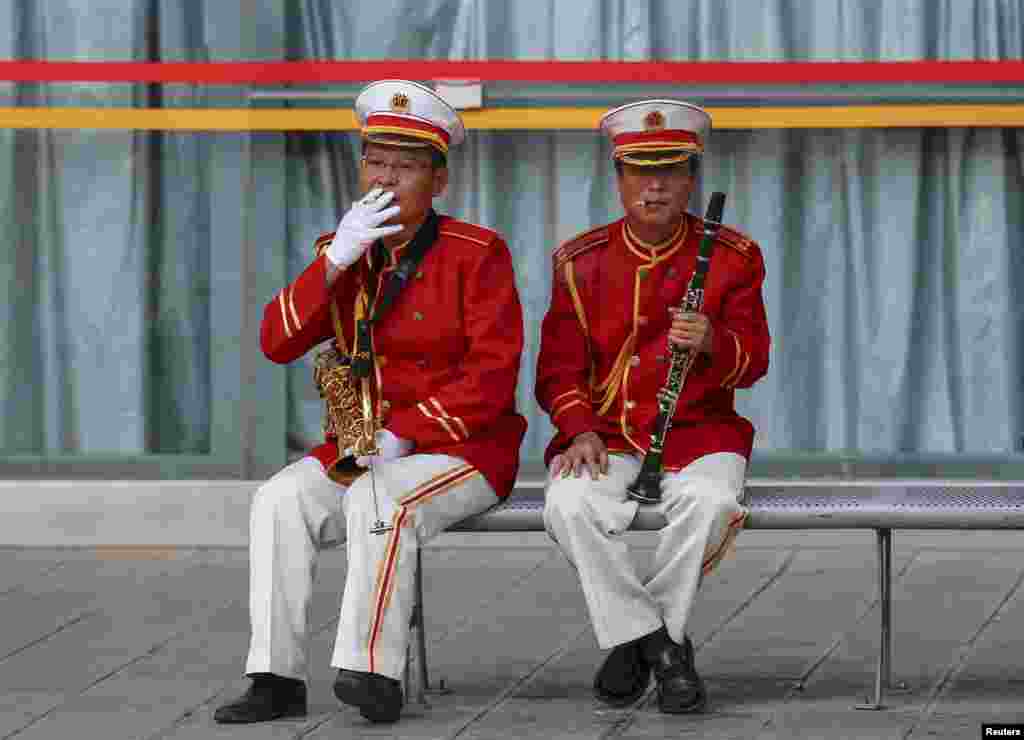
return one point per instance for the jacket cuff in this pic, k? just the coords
(576, 419)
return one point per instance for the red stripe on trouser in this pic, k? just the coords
(444, 482)
(385, 587)
(730, 532)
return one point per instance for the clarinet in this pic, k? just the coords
(647, 487)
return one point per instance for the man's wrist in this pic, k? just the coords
(332, 272)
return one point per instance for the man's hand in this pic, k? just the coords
(361, 226)
(691, 330)
(389, 447)
(586, 449)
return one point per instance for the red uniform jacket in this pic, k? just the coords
(604, 342)
(447, 352)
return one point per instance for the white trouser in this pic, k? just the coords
(587, 519)
(300, 510)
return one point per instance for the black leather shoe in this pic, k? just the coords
(680, 689)
(268, 697)
(624, 675)
(378, 697)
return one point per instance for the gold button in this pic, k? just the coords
(382, 360)
(628, 428)
(385, 404)
(635, 361)
(419, 274)
(418, 316)
(630, 404)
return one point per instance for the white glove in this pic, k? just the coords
(389, 447)
(361, 226)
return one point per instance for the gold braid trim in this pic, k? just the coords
(609, 388)
(577, 303)
(339, 334)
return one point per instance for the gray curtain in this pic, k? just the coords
(893, 255)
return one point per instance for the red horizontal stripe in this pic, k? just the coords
(668, 135)
(383, 119)
(708, 73)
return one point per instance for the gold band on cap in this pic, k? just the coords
(403, 141)
(429, 137)
(640, 160)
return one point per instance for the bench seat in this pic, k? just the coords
(865, 504)
(881, 505)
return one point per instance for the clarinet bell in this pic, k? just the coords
(645, 489)
(643, 497)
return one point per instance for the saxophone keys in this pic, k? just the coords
(380, 527)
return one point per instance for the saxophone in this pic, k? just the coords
(343, 382)
(647, 487)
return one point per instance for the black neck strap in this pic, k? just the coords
(426, 235)
(412, 255)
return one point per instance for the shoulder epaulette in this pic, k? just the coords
(738, 240)
(468, 232)
(579, 244)
(322, 242)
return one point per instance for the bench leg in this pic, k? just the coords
(418, 642)
(883, 674)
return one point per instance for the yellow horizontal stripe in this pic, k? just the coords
(521, 119)
(181, 119)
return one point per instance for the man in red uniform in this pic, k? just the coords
(445, 347)
(604, 356)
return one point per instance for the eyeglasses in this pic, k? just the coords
(404, 169)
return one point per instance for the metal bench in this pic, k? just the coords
(881, 505)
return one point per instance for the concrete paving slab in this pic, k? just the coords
(18, 708)
(122, 623)
(208, 663)
(987, 682)
(834, 718)
(48, 604)
(927, 626)
(324, 706)
(542, 701)
(820, 597)
(14, 572)
(509, 630)
(446, 574)
(507, 570)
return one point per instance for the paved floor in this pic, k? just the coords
(134, 643)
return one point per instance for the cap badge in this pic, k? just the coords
(400, 103)
(654, 121)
